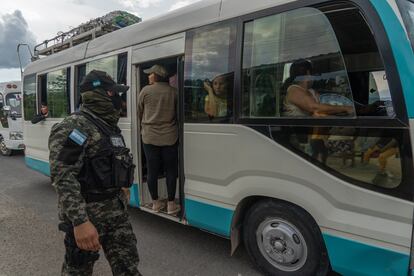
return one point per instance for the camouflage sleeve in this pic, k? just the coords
(66, 161)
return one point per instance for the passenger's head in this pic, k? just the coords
(221, 84)
(157, 73)
(44, 109)
(301, 71)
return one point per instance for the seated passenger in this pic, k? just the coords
(303, 101)
(44, 112)
(215, 103)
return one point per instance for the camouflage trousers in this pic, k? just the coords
(117, 238)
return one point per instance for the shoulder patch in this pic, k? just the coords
(78, 137)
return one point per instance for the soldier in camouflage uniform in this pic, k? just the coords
(86, 149)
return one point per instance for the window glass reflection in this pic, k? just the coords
(371, 157)
(209, 73)
(313, 63)
(292, 67)
(29, 92)
(57, 91)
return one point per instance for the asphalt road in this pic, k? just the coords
(30, 243)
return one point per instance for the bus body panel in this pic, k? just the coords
(57, 60)
(216, 168)
(219, 176)
(231, 8)
(14, 126)
(159, 48)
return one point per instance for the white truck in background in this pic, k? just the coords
(11, 123)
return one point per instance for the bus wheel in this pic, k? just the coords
(3, 149)
(283, 239)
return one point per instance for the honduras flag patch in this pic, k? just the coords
(78, 137)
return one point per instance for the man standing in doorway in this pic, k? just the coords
(157, 114)
(92, 169)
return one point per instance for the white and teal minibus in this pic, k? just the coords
(306, 194)
(11, 123)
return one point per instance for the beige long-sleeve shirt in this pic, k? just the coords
(157, 114)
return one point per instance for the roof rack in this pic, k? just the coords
(87, 31)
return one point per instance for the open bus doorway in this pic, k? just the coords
(172, 65)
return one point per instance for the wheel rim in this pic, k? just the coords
(3, 148)
(282, 244)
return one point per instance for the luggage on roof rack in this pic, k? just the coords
(87, 31)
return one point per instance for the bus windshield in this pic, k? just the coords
(14, 100)
(407, 12)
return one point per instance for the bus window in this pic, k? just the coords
(115, 66)
(379, 93)
(29, 96)
(209, 73)
(57, 93)
(363, 62)
(14, 101)
(108, 65)
(346, 68)
(289, 57)
(42, 87)
(80, 73)
(370, 158)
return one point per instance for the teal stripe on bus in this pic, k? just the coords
(208, 217)
(38, 165)
(401, 49)
(353, 258)
(134, 199)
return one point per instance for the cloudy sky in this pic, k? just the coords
(27, 21)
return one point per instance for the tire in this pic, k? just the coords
(3, 149)
(283, 239)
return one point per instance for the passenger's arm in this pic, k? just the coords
(210, 106)
(306, 102)
(38, 118)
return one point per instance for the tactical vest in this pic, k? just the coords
(110, 169)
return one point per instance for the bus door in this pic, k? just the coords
(168, 53)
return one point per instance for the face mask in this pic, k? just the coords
(117, 101)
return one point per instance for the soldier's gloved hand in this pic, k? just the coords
(87, 237)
